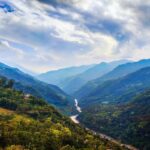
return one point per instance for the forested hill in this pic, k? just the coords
(51, 93)
(30, 123)
(129, 123)
(118, 91)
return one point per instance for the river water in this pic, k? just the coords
(78, 108)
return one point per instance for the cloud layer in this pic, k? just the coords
(40, 35)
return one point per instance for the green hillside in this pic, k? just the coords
(28, 123)
(129, 122)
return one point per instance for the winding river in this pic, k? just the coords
(103, 136)
(78, 108)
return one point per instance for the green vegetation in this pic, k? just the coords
(30, 123)
(129, 123)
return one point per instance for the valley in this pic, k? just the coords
(114, 110)
(27, 122)
(74, 118)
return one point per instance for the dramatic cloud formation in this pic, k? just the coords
(40, 35)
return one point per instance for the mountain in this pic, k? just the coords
(125, 69)
(118, 72)
(30, 85)
(57, 76)
(119, 90)
(74, 83)
(27, 122)
(129, 123)
(101, 69)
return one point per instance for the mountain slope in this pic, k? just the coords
(30, 85)
(129, 122)
(125, 69)
(120, 71)
(119, 90)
(30, 123)
(74, 83)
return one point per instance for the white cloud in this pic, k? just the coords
(102, 49)
(53, 32)
(4, 43)
(7, 49)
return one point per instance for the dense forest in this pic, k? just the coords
(30, 123)
(129, 123)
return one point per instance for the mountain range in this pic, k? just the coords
(111, 78)
(72, 79)
(119, 90)
(57, 76)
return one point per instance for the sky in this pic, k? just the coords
(42, 35)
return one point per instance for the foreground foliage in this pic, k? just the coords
(30, 123)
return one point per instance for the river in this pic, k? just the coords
(78, 108)
(103, 136)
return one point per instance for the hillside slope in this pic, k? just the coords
(28, 84)
(129, 122)
(30, 123)
(119, 90)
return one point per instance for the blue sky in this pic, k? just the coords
(41, 35)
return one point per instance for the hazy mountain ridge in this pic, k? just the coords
(73, 84)
(58, 76)
(124, 69)
(72, 79)
(118, 72)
